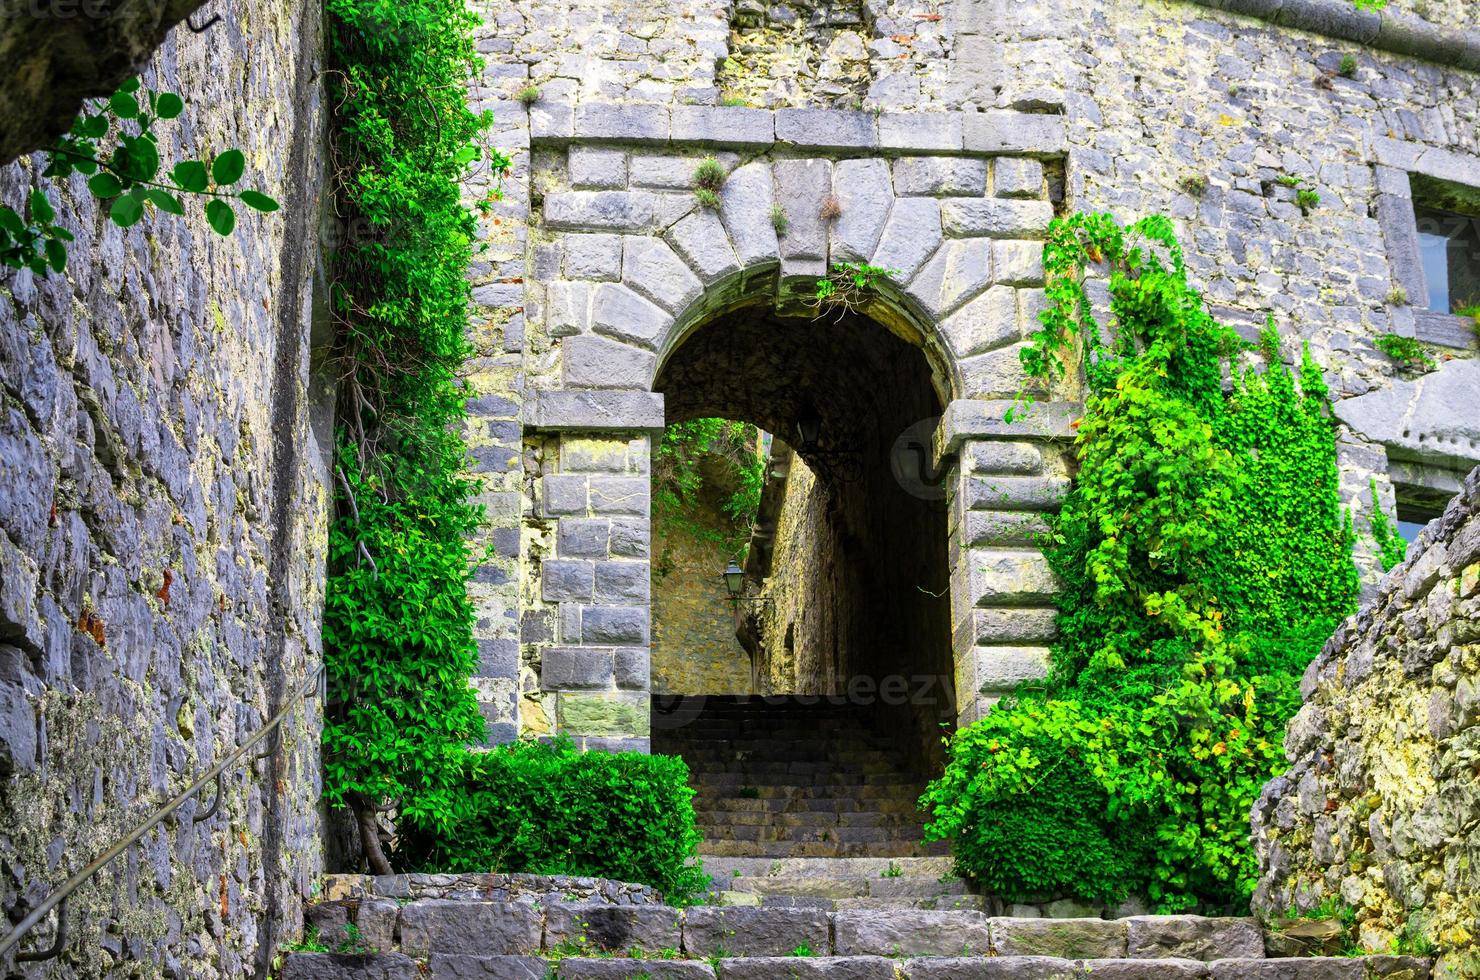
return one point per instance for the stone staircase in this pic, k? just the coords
(840, 883)
(793, 777)
(524, 927)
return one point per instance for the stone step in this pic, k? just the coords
(821, 849)
(808, 818)
(934, 868)
(396, 966)
(916, 887)
(720, 785)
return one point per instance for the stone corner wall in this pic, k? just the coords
(163, 514)
(1381, 805)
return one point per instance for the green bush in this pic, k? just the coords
(552, 810)
(1204, 558)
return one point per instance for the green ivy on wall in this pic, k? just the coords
(398, 624)
(679, 477)
(1204, 558)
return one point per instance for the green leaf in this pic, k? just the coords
(104, 185)
(261, 202)
(11, 222)
(220, 216)
(132, 85)
(165, 201)
(95, 127)
(123, 105)
(56, 254)
(191, 176)
(41, 210)
(169, 105)
(143, 159)
(126, 211)
(228, 168)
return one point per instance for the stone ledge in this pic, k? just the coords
(594, 411)
(982, 134)
(983, 418)
(1387, 31)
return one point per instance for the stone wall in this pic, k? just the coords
(1381, 806)
(162, 527)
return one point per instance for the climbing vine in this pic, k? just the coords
(113, 143)
(1204, 558)
(398, 624)
(1391, 548)
(679, 476)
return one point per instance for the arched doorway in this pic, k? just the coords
(845, 626)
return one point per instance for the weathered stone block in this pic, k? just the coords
(1301, 968)
(753, 931)
(562, 494)
(999, 669)
(1069, 938)
(745, 206)
(577, 968)
(616, 625)
(593, 411)
(586, 454)
(597, 168)
(629, 538)
(984, 324)
(595, 257)
(566, 580)
(596, 362)
(998, 374)
(619, 312)
(809, 968)
(622, 582)
(337, 966)
(995, 218)
(727, 125)
(1004, 968)
(621, 121)
(801, 187)
(826, 129)
(911, 234)
(632, 666)
(613, 927)
(457, 926)
(576, 669)
(1017, 263)
(619, 495)
(619, 713)
(926, 131)
(940, 176)
(956, 272)
(1013, 132)
(376, 920)
(864, 192)
(464, 967)
(1193, 937)
(910, 932)
(1017, 177)
(654, 270)
(701, 240)
(629, 211)
(17, 730)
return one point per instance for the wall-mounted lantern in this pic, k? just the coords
(734, 577)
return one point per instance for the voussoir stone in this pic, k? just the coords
(954, 274)
(1193, 937)
(985, 323)
(701, 240)
(911, 234)
(466, 967)
(801, 187)
(614, 927)
(808, 968)
(709, 931)
(595, 362)
(578, 968)
(864, 193)
(619, 312)
(652, 268)
(1071, 938)
(745, 206)
(909, 932)
(455, 926)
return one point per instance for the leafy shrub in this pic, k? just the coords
(679, 476)
(710, 174)
(1204, 558)
(1409, 353)
(552, 810)
(1391, 546)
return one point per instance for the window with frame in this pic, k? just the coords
(1447, 217)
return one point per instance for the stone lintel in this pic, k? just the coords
(994, 133)
(594, 411)
(966, 419)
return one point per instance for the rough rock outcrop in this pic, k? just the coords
(1381, 806)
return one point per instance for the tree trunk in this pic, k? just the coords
(369, 835)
